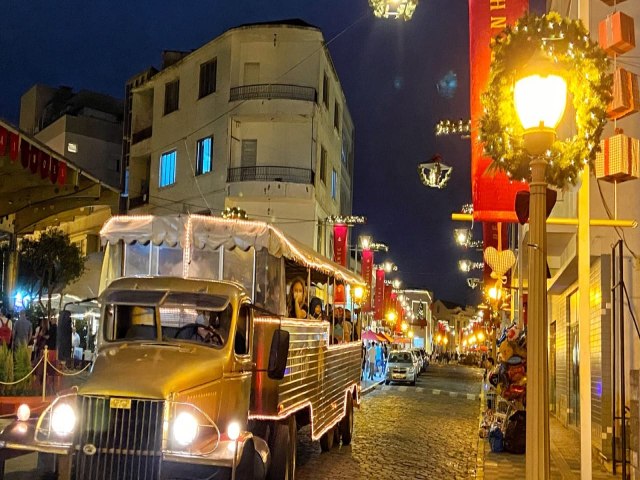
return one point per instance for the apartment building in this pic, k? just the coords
(254, 119)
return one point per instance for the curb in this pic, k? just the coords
(370, 388)
(480, 450)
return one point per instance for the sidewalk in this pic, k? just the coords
(367, 385)
(564, 450)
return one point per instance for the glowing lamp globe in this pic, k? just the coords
(540, 101)
(358, 293)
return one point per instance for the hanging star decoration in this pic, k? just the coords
(565, 42)
(434, 173)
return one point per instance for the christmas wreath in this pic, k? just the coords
(567, 43)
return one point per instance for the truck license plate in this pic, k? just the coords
(121, 403)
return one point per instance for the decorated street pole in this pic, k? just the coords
(534, 63)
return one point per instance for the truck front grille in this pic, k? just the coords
(118, 443)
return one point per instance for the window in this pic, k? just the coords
(334, 184)
(208, 72)
(323, 165)
(325, 90)
(336, 116)
(171, 96)
(168, 169)
(249, 153)
(204, 155)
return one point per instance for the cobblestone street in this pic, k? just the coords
(423, 432)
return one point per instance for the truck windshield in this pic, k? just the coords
(182, 317)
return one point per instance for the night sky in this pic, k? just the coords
(389, 70)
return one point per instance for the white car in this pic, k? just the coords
(401, 367)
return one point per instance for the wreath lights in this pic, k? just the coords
(566, 43)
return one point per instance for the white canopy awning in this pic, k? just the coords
(210, 233)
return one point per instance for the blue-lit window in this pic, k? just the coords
(334, 184)
(168, 168)
(204, 155)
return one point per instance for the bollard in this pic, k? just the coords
(44, 372)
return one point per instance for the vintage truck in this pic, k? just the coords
(199, 371)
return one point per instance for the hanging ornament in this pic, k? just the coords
(399, 9)
(435, 174)
(450, 127)
(499, 261)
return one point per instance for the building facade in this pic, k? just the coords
(254, 119)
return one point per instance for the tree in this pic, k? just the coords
(48, 264)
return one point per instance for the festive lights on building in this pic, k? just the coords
(346, 220)
(464, 238)
(450, 127)
(466, 265)
(398, 9)
(467, 208)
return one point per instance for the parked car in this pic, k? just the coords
(401, 367)
(422, 358)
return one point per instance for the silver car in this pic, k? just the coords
(401, 367)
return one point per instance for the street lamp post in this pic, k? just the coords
(540, 101)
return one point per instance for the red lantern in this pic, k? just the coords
(4, 140)
(45, 161)
(14, 143)
(53, 170)
(24, 153)
(339, 296)
(34, 159)
(62, 173)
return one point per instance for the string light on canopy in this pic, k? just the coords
(398, 9)
(234, 213)
(434, 173)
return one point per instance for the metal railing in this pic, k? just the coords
(271, 174)
(270, 91)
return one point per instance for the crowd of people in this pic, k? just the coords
(343, 325)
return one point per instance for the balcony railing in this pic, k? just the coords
(271, 174)
(141, 135)
(273, 91)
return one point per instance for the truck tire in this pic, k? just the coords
(246, 463)
(346, 424)
(282, 443)
(327, 440)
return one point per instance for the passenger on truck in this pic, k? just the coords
(296, 300)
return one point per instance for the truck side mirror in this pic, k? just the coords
(278, 354)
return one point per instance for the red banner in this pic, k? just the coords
(340, 244)
(366, 266)
(379, 295)
(14, 142)
(493, 193)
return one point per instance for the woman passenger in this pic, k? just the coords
(296, 300)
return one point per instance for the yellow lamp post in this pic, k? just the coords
(540, 99)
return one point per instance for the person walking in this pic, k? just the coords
(371, 356)
(22, 331)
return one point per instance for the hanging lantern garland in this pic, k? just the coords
(567, 43)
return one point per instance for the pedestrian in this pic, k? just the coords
(378, 358)
(22, 330)
(385, 356)
(371, 356)
(364, 361)
(6, 330)
(52, 339)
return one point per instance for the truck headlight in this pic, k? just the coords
(185, 428)
(63, 419)
(233, 431)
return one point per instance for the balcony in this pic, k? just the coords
(269, 91)
(141, 135)
(271, 174)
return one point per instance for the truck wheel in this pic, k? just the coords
(326, 440)
(346, 424)
(246, 465)
(282, 443)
